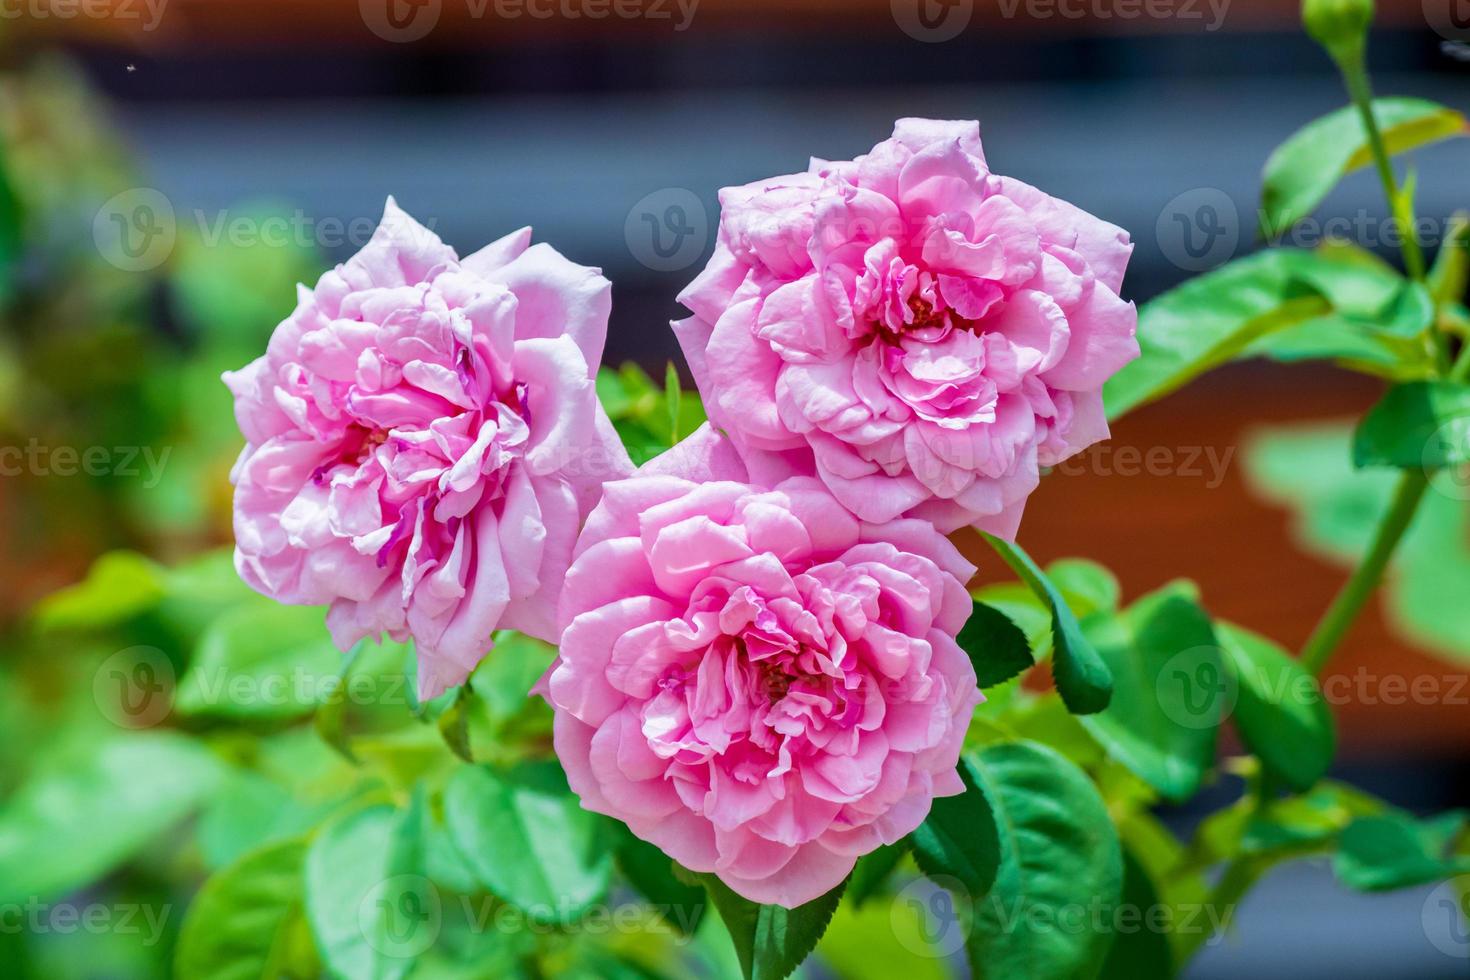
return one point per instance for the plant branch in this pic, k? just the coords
(1361, 91)
(1344, 609)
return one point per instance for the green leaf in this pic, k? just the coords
(77, 819)
(1448, 278)
(651, 872)
(1058, 851)
(528, 840)
(1336, 510)
(672, 399)
(996, 646)
(1304, 169)
(1259, 304)
(1087, 586)
(1082, 678)
(370, 906)
(1381, 853)
(260, 659)
(873, 869)
(1208, 321)
(118, 586)
(1169, 691)
(772, 941)
(453, 724)
(1139, 949)
(249, 811)
(959, 838)
(246, 922)
(1420, 425)
(1279, 709)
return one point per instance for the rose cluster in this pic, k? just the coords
(757, 668)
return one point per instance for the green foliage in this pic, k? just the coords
(259, 660)
(1279, 710)
(370, 908)
(1081, 675)
(648, 419)
(247, 923)
(1335, 508)
(1420, 425)
(1393, 850)
(1169, 690)
(959, 839)
(1304, 169)
(771, 941)
(527, 839)
(1058, 849)
(1285, 303)
(997, 647)
(86, 812)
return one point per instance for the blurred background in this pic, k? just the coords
(169, 169)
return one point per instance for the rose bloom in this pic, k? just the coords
(755, 681)
(920, 332)
(423, 441)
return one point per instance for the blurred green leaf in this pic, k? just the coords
(1082, 678)
(1448, 277)
(261, 659)
(772, 941)
(652, 873)
(248, 812)
(1304, 169)
(959, 838)
(1336, 509)
(528, 840)
(118, 586)
(234, 274)
(78, 818)
(1381, 853)
(1167, 696)
(1279, 710)
(246, 923)
(370, 907)
(881, 939)
(1139, 949)
(1420, 425)
(1057, 843)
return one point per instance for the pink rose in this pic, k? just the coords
(753, 680)
(422, 442)
(921, 333)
